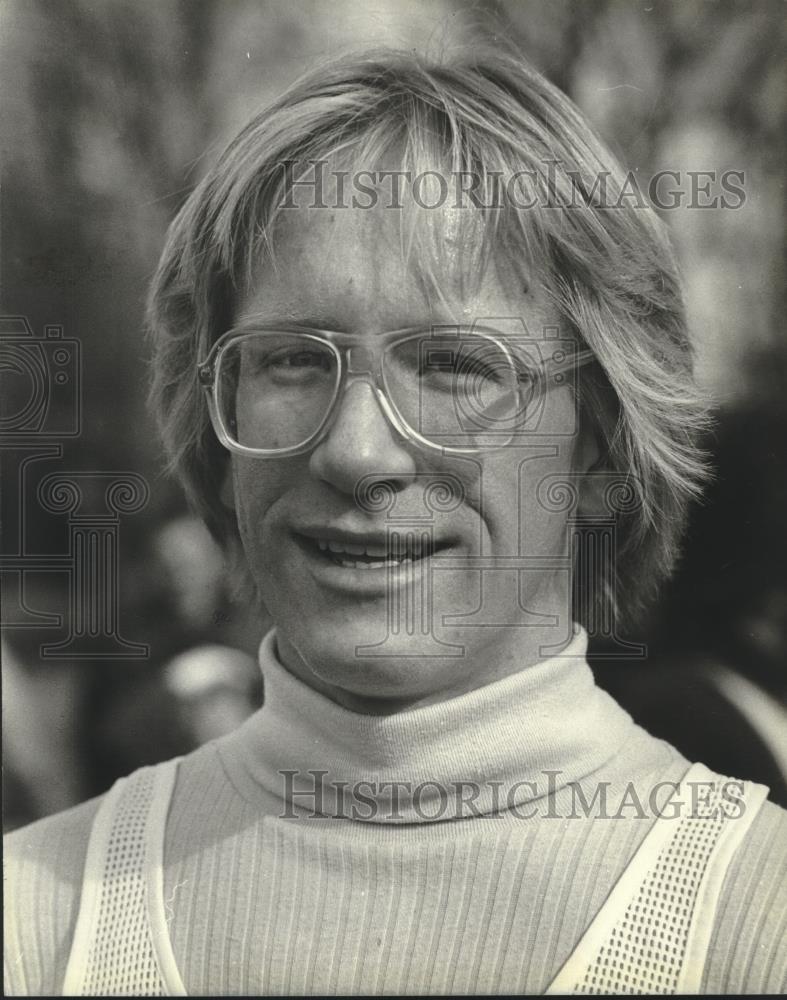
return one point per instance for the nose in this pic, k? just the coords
(361, 443)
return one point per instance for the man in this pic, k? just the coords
(422, 366)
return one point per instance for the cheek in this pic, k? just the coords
(257, 486)
(519, 509)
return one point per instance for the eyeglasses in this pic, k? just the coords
(273, 391)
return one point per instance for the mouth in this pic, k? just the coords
(396, 550)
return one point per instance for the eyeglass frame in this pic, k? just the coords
(340, 343)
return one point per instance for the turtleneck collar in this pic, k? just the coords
(482, 752)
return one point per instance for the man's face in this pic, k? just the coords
(392, 633)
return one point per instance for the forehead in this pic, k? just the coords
(385, 266)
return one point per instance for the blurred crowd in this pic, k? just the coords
(110, 113)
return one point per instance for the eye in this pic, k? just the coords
(297, 366)
(449, 365)
(300, 358)
(286, 361)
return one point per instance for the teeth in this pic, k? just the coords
(377, 564)
(346, 564)
(377, 556)
(380, 551)
(373, 550)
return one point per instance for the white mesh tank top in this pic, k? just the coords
(650, 937)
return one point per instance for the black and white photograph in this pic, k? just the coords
(394, 471)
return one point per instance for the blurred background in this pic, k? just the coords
(111, 112)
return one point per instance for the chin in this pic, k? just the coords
(400, 668)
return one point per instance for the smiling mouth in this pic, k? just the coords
(399, 550)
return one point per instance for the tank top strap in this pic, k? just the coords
(652, 934)
(121, 943)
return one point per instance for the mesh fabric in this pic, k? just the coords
(645, 948)
(121, 958)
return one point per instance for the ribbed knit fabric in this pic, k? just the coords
(399, 903)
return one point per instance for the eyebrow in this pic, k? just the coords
(292, 319)
(332, 324)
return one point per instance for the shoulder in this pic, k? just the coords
(42, 878)
(746, 952)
